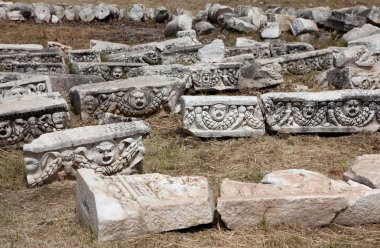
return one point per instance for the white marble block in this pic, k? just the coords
(28, 86)
(222, 116)
(122, 207)
(106, 149)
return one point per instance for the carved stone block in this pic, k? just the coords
(344, 21)
(260, 74)
(133, 97)
(106, 149)
(36, 68)
(150, 57)
(33, 57)
(33, 85)
(26, 118)
(344, 111)
(109, 71)
(86, 55)
(222, 116)
(183, 55)
(123, 207)
(259, 50)
(15, 48)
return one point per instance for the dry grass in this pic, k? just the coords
(45, 216)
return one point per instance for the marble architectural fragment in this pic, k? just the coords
(19, 48)
(105, 149)
(150, 57)
(344, 21)
(32, 57)
(132, 97)
(32, 85)
(365, 170)
(23, 118)
(85, 55)
(108, 70)
(36, 68)
(222, 116)
(342, 111)
(122, 207)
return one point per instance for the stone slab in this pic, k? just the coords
(260, 74)
(33, 57)
(105, 149)
(108, 70)
(132, 97)
(222, 116)
(108, 47)
(33, 85)
(17, 48)
(123, 207)
(23, 118)
(299, 197)
(342, 111)
(365, 170)
(183, 55)
(371, 42)
(85, 55)
(150, 57)
(40, 68)
(344, 21)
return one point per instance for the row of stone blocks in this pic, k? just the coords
(121, 207)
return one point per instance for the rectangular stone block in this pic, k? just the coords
(108, 70)
(34, 85)
(16, 48)
(105, 149)
(132, 97)
(344, 21)
(33, 57)
(342, 111)
(39, 68)
(25, 118)
(150, 57)
(258, 50)
(123, 207)
(108, 47)
(222, 116)
(85, 55)
(182, 55)
(260, 73)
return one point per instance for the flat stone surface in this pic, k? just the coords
(365, 170)
(132, 97)
(371, 42)
(105, 149)
(297, 197)
(271, 30)
(9, 48)
(106, 46)
(222, 116)
(301, 26)
(85, 55)
(344, 111)
(260, 74)
(361, 32)
(34, 85)
(23, 118)
(318, 14)
(213, 52)
(33, 57)
(39, 68)
(150, 57)
(185, 55)
(108, 70)
(123, 207)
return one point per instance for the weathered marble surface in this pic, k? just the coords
(23, 118)
(133, 97)
(33, 85)
(85, 55)
(299, 197)
(33, 57)
(106, 149)
(40, 68)
(344, 21)
(108, 47)
(365, 170)
(342, 111)
(16, 48)
(123, 207)
(259, 50)
(260, 74)
(222, 116)
(150, 57)
(108, 70)
(183, 55)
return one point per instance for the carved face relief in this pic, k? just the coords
(18, 91)
(59, 119)
(206, 76)
(90, 104)
(352, 108)
(218, 111)
(5, 129)
(138, 99)
(105, 153)
(117, 72)
(43, 70)
(309, 109)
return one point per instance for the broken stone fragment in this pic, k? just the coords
(123, 207)
(108, 47)
(361, 32)
(33, 57)
(37, 68)
(342, 111)
(271, 30)
(318, 15)
(150, 57)
(86, 55)
(28, 86)
(204, 27)
(240, 25)
(213, 52)
(301, 26)
(136, 12)
(365, 170)
(24, 118)
(298, 197)
(222, 116)
(371, 42)
(132, 97)
(344, 21)
(19, 48)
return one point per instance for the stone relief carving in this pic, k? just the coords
(84, 56)
(109, 71)
(106, 157)
(222, 76)
(39, 68)
(150, 57)
(47, 57)
(308, 64)
(25, 89)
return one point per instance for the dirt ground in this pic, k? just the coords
(45, 216)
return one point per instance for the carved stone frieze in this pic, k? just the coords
(26, 118)
(87, 55)
(183, 55)
(33, 57)
(106, 149)
(133, 97)
(36, 68)
(109, 70)
(222, 116)
(33, 85)
(150, 57)
(16, 48)
(343, 111)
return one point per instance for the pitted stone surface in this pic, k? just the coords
(106, 149)
(132, 97)
(123, 207)
(222, 116)
(344, 111)
(23, 118)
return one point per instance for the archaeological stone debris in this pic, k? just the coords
(311, 71)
